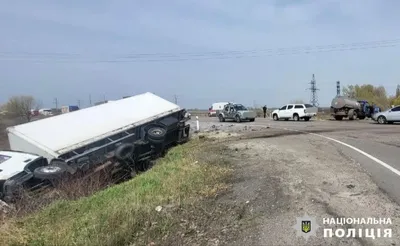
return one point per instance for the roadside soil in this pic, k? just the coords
(278, 177)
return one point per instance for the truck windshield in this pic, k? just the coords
(3, 158)
(308, 105)
(240, 107)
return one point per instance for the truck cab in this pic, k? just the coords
(16, 171)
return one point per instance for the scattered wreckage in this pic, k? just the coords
(127, 135)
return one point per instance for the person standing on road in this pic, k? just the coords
(265, 110)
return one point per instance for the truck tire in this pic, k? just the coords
(306, 118)
(156, 133)
(252, 120)
(296, 117)
(124, 151)
(338, 117)
(275, 117)
(237, 119)
(221, 118)
(49, 172)
(381, 119)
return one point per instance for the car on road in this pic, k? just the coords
(215, 108)
(236, 112)
(388, 116)
(295, 112)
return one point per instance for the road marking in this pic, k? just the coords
(382, 163)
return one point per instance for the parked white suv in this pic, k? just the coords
(295, 112)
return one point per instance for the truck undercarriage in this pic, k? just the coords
(350, 113)
(122, 155)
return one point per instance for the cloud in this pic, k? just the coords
(100, 28)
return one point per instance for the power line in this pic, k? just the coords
(165, 57)
(56, 102)
(136, 55)
(313, 88)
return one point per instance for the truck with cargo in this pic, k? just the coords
(126, 135)
(344, 107)
(70, 108)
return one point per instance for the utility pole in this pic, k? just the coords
(398, 91)
(56, 102)
(90, 100)
(79, 103)
(313, 88)
(337, 88)
(176, 99)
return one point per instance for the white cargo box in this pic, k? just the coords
(54, 136)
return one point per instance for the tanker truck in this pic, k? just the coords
(344, 107)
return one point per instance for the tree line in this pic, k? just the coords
(21, 106)
(376, 95)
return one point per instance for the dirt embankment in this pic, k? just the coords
(279, 177)
(273, 178)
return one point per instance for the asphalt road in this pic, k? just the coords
(379, 141)
(336, 169)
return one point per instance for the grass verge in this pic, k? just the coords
(126, 213)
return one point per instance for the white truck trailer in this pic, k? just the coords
(127, 133)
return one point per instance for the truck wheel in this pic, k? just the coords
(381, 120)
(338, 118)
(296, 117)
(237, 119)
(252, 120)
(221, 118)
(275, 117)
(306, 118)
(124, 151)
(351, 114)
(156, 133)
(49, 172)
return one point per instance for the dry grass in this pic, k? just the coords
(323, 116)
(125, 213)
(67, 189)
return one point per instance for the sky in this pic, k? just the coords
(73, 50)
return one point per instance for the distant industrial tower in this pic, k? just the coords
(398, 91)
(337, 88)
(313, 89)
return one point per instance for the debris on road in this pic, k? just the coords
(158, 208)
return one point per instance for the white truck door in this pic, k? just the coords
(289, 111)
(282, 112)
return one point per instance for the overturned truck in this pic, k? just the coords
(125, 135)
(343, 107)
